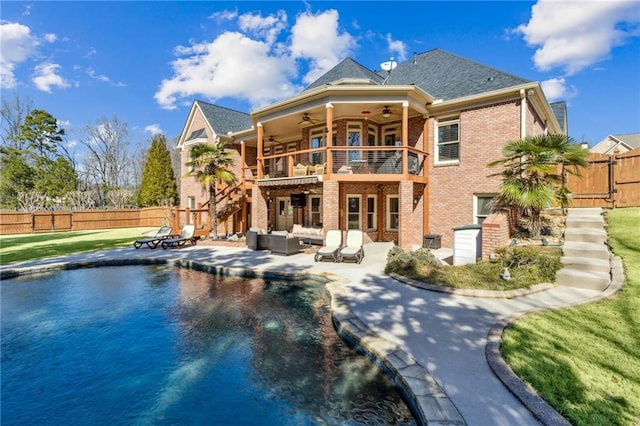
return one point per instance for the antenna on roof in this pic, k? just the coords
(388, 67)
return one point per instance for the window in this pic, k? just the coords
(353, 211)
(482, 207)
(448, 140)
(372, 218)
(317, 139)
(393, 212)
(391, 137)
(315, 210)
(354, 138)
(372, 138)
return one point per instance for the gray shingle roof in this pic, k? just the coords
(348, 68)
(560, 112)
(224, 120)
(447, 76)
(630, 139)
(439, 73)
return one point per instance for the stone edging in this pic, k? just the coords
(470, 292)
(428, 401)
(546, 414)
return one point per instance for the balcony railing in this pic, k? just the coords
(346, 160)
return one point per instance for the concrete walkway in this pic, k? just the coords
(444, 333)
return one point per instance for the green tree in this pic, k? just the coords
(16, 176)
(40, 131)
(530, 177)
(55, 178)
(158, 181)
(210, 163)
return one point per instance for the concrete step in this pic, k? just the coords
(585, 222)
(585, 235)
(586, 264)
(588, 250)
(570, 277)
(585, 211)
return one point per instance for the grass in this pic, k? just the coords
(527, 266)
(19, 248)
(585, 361)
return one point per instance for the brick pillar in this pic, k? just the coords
(331, 205)
(495, 233)
(259, 217)
(410, 231)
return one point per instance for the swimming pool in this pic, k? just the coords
(162, 344)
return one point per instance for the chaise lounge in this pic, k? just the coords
(186, 235)
(332, 245)
(353, 249)
(153, 241)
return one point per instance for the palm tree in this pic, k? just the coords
(210, 163)
(530, 174)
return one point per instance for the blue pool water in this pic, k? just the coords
(165, 345)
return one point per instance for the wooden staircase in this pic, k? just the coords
(586, 257)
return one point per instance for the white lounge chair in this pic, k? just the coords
(186, 235)
(153, 241)
(332, 244)
(353, 249)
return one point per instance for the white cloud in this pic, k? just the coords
(224, 15)
(50, 38)
(255, 63)
(154, 129)
(556, 88)
(17, 45)
(397, 47)
(573, 35)
(319, 39)
(46, 77)
(101, 77)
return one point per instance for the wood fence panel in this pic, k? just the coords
(15, 223)
(627, 179)
(105, 219)
(591, 188)
(42, 221)
(155, 216)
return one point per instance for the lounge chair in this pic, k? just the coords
(186, 235)
(332, 245)
(353, 248)
(153, 241)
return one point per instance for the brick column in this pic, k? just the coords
(495, 233)
(410, 230)
(331, 205)
(259, 217)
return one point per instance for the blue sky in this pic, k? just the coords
(145, 62)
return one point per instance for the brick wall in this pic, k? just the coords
(495, 233)
(483, 132)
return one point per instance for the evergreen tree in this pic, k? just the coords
(16, 176)
(55, 178)
(158, 181)
(41, 133)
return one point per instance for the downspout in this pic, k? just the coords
(523, 114)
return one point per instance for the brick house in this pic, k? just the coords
(399, 154)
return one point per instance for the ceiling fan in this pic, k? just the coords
(307, 120)
(386, 111)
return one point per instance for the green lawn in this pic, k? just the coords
(18, 248)
(585, 361)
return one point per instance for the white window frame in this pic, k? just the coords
(476, 213)
(389, 213)
(319, 134)
(373, 214)
(447, 121)
(348, 212)
(312, 212)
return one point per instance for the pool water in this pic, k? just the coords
(168, 345)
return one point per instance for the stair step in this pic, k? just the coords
(585, 235)
(585, 222)
(570, 277)
(585, 211)
(586, 264)
(588, 250)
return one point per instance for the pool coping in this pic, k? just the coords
(426, 399)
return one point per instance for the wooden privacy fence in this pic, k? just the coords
(609, 181)
(70, 220)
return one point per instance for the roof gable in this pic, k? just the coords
(632, 140)
(347, 69)
(223, 120)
